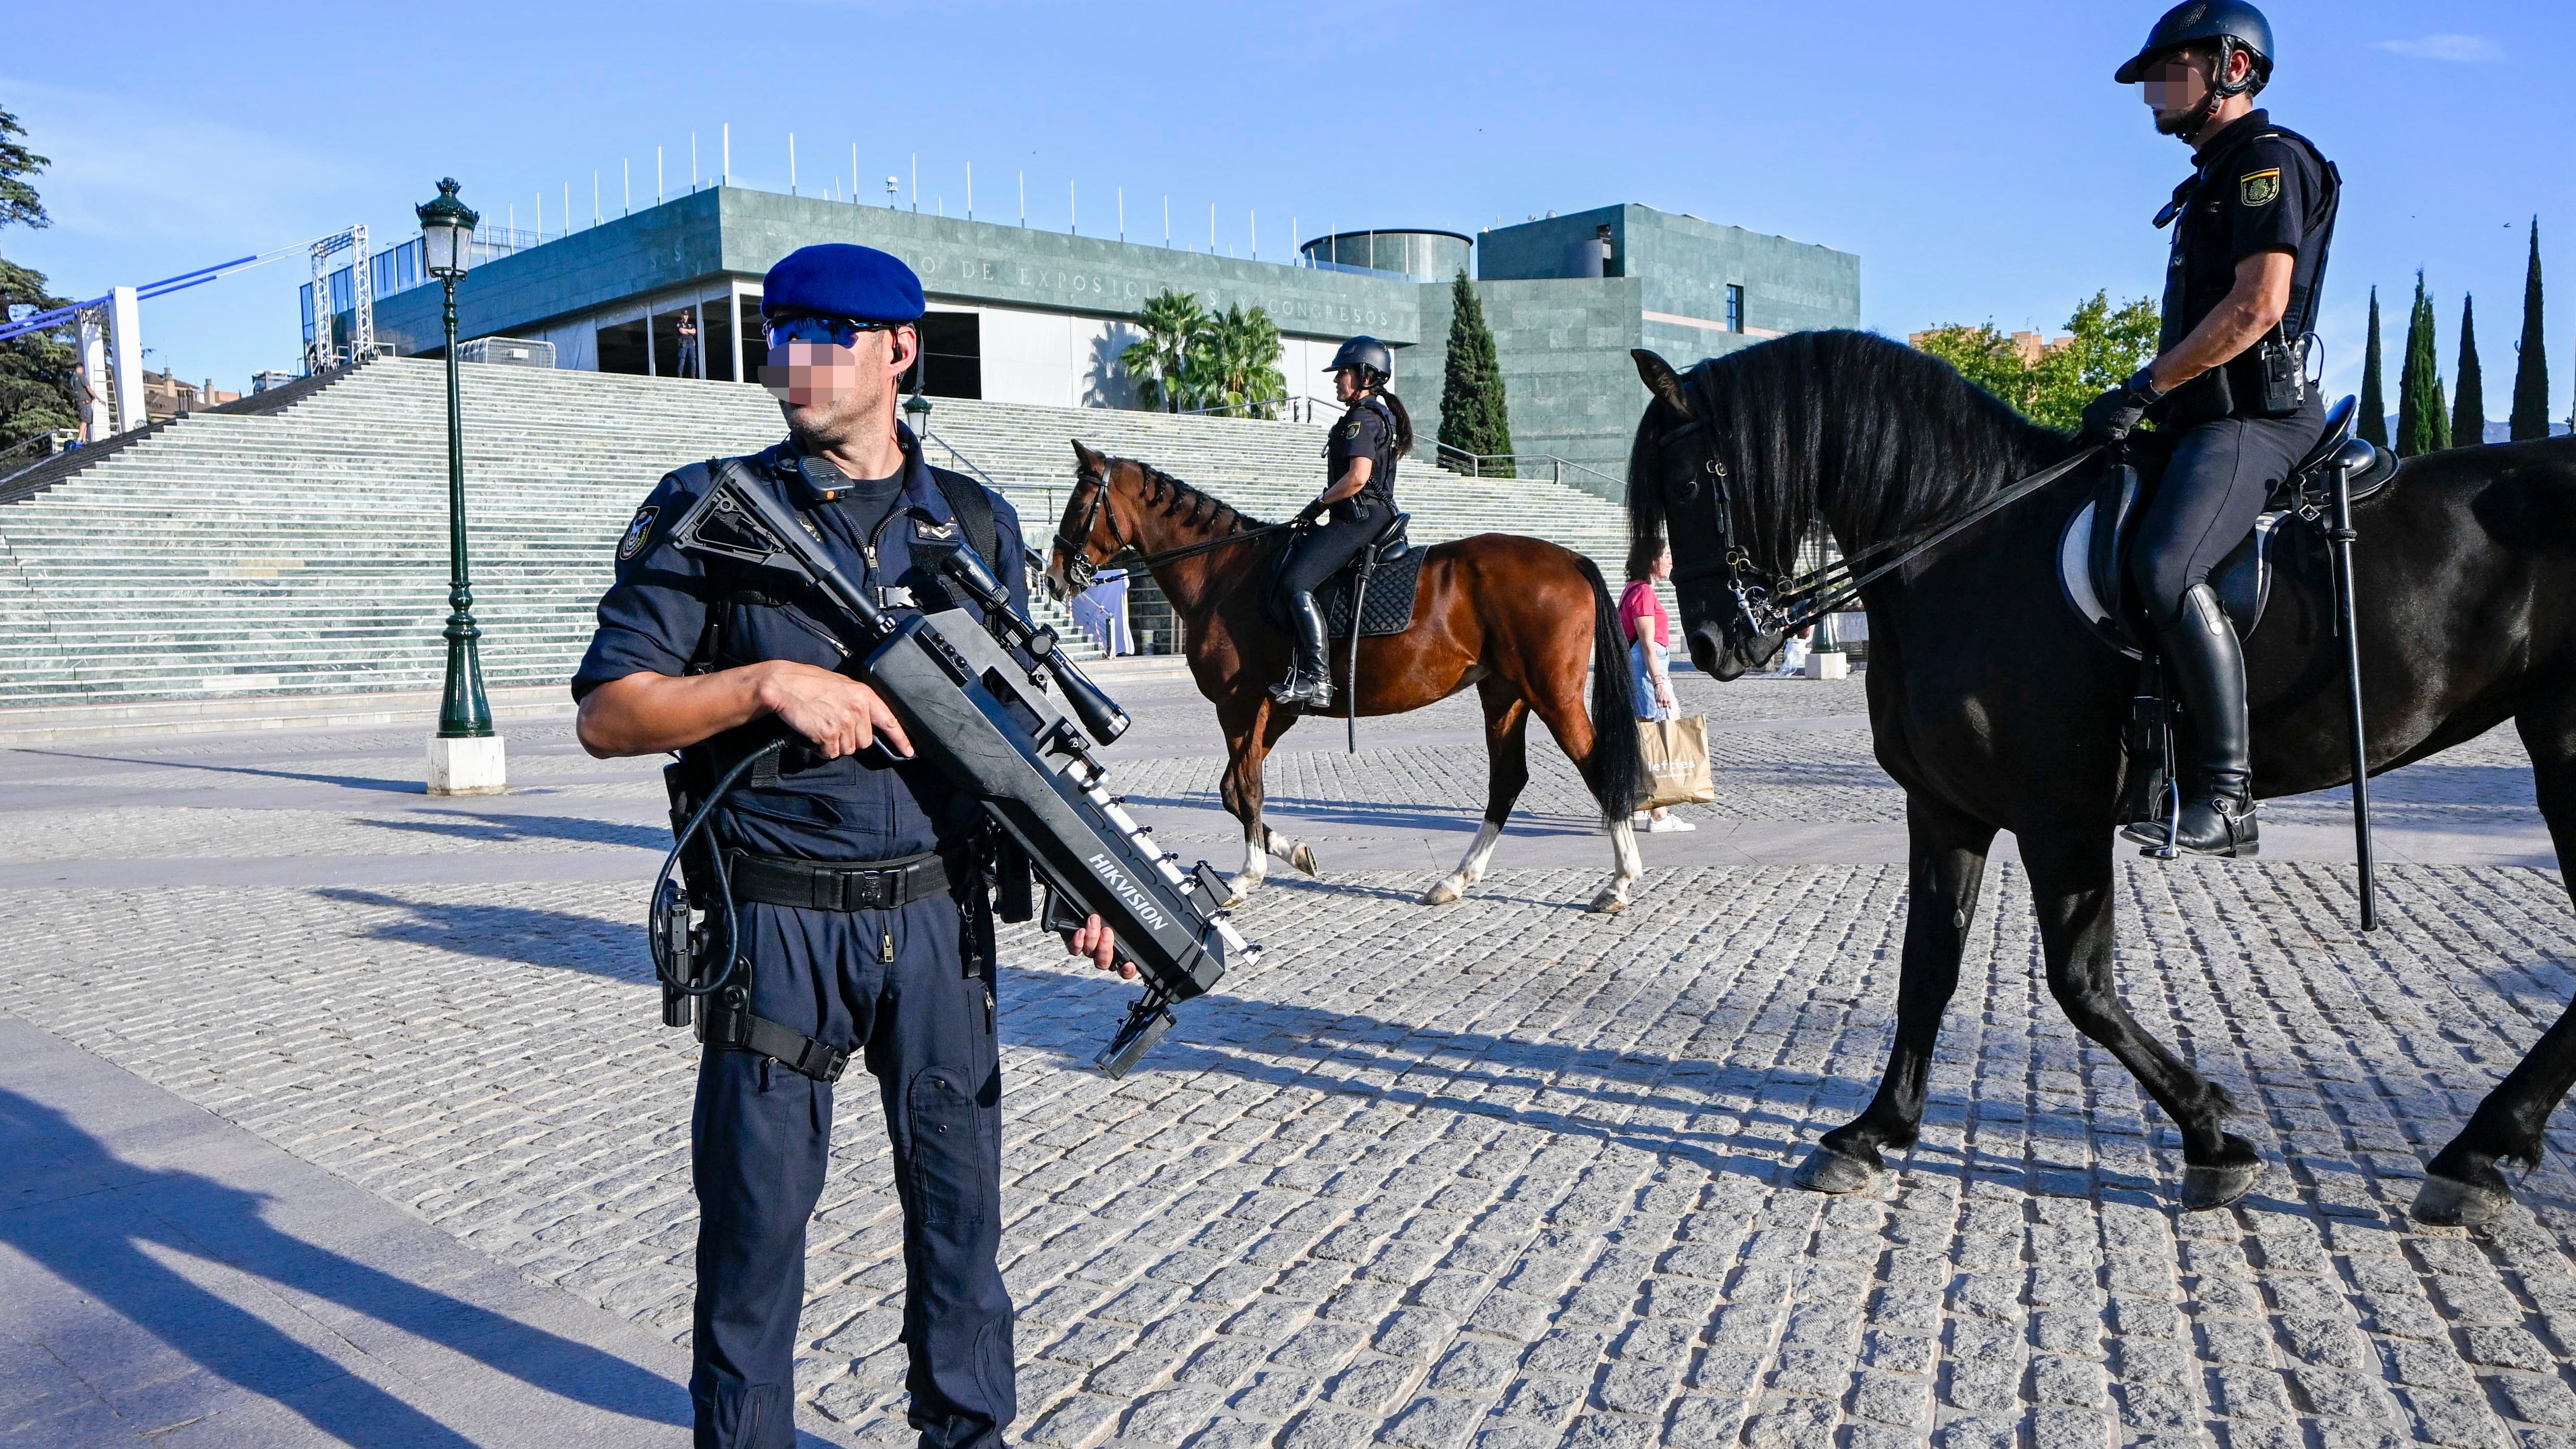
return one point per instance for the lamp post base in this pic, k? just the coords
(468, 766)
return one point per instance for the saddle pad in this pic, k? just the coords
(1389, 607)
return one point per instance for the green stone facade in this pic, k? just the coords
(1566, 296)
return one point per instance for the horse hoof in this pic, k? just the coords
(1826, 1170)
(2446, 1202)
(1607, 903)
(2220, 1183)
(1230, 902)
(1303, 858)
(1443, 894)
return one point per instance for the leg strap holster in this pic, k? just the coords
(809, 885)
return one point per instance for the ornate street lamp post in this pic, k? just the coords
(464, 756)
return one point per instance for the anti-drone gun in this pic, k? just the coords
(985, 720)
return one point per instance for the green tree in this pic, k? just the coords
(1235, 364)
(2423, 425)
(2374, 394)
(39, 372)
(1983, 355)
(1474, 417)
(2103, 347)
(1172, 322)
(2531, 367)
(2469, 407)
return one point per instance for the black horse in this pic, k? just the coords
(1996, 708)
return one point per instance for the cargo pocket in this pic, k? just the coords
(947, 1181)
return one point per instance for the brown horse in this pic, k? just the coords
(1521, 619)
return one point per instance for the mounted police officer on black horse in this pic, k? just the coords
(1356, 504)
(865, 914)
(2229, 382)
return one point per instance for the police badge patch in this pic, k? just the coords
(637, 532)
(2259, 189)
(1351, 431)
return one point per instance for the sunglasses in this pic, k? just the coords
(838, 331)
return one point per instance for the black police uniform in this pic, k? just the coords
(1366, 431)
(904, 989)
(2257, 188)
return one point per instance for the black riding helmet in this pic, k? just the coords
(2225, 26)
(1374, 359)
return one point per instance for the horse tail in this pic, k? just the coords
(1618, 761)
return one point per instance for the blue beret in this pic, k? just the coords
(838, 279)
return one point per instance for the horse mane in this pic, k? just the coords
(1874, 437)
(1190, 504)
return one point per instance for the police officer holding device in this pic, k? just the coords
(2231, 376)
(859, 876)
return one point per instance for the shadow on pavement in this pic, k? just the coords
(488, 828)
(86, 1216)
(528, 935)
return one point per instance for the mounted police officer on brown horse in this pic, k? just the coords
(1357, 502)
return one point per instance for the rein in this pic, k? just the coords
(1776, 604)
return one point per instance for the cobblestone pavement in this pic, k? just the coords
(1501, 1174)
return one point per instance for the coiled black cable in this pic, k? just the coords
(657, 929)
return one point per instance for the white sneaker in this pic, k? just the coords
(1669, 825)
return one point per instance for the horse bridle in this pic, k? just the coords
(1080, 571)
(1772, 603)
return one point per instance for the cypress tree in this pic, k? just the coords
(2374, 397)
(2531, 369)
(1473, 415)
(2469, 408)
(2423, 425)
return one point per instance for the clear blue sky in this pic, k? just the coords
(1983, 168)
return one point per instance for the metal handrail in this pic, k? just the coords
(1295, 405)
(1556, 466)
(52, 444)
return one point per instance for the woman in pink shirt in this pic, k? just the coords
(1649, 629)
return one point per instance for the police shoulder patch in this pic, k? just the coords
(2260, 188)
(638, 532)
(1351, 430)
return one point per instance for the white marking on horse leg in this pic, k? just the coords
(1296, 852)
(1626, 864)
(1255, 866)
(1471, 867)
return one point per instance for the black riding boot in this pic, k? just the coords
(1310, 680)
(2206, 665)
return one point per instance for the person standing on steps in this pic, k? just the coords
(865, 915)
(1357, 501)
(1649, 627)
(2230, 377)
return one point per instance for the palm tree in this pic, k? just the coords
(1172, 322)
(1237, 364)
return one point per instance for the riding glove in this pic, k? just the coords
(2118, 411)
(1311, 512)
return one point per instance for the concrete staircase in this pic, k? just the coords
(301, 549)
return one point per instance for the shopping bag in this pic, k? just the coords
(1677, 768)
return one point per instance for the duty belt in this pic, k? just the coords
(812, 885)
(823, 885)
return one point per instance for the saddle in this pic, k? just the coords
(2093, 569)
(2093, 561)
(1380, 579)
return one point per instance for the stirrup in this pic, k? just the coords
(1307, 691)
